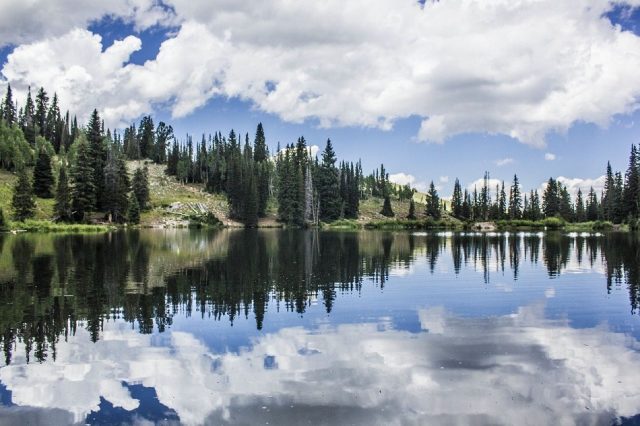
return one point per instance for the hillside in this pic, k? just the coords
(172, 203)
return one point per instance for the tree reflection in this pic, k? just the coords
(50, 285)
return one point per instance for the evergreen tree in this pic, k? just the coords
(23, 203)
(581, 213)
(53, 131)
(565, 206)
(8, 108)
(140, 187)
(83, 193)
(386, 207)
(457, 200)
(535, 208)
(551, 199)
(328, 185)
(164, 135)
(133, 212)
(515, 200)
(593, 207)
(261, 157)
(146, 136)
(43, 175)
(117, 186)
(42, 106)
(28, 124)
(631, 194)
(433, 202)
(609, 196)
(412, 210)
(98, 156)
(62, 206)
(502, 203)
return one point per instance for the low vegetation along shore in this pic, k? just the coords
(58, 176)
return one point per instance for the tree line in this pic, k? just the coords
(84, 169)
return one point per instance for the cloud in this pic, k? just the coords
(367, 63)
(404, 179)
(549, 156)
(479, 183)
(345, 373)
(444, 179)
(29, 21)
(503, 162)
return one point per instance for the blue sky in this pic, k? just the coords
(440, 113)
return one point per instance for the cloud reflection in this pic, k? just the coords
(513, 369)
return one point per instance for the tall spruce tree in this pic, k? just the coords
(328, 185)
(551, 199)
(117, 186)
(631, 194)
(42, 106)
(83, 193)
(133, 212)
(9, 113)
(263, 169)
(43, 175)
(581, 213)
(98, 156)
(62, 206)
(412, 210)
(457, 200)
(140, 187)
(515, 200)
(433, 202)
(23, 203)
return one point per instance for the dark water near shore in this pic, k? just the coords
(299, 327)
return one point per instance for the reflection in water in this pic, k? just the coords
(515, 369)
(50, 283)
(99, 310)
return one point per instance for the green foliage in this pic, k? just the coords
(386, 208)
(133, 214)
(15, 151)
(3, 221)
(23, 203)
(43, 175)
(83, 193)
(554, 223)
(117, 186)
(433, 203)
(328, 185)
(140, 187)
(412, 210)
(62, 207)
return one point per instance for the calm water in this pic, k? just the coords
(297, 327)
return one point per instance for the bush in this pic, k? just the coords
(554, 223)
(602, 225)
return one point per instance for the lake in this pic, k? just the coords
(319, 327)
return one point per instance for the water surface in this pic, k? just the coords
(296, 327)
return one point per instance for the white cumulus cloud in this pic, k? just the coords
(549, 156)
(503, 162)
(411, 180)
(461, 67)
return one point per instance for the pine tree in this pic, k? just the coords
(140, 187)
(117, 186)
(631, 194)
(515, 200)
(98, 156)
(43, 175)
(386, 207)
(593, 207)
(502, 203)
(261, 157)
(609, 196)
(83, 193)
(581, 214)
(328, 185)
(133, 213)
(8, 108)
(42, 106)
(412, 210)
(23, 203)
(164, 135)
(433, 202)
(28, 124)
(146, 136)
(62, 206)
(457, 200)
(551, 199)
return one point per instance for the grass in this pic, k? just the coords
(35, 225)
